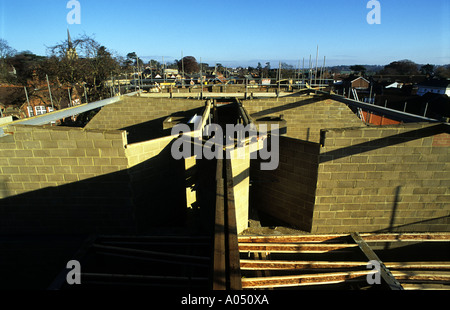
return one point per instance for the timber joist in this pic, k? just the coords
(276, 262)
(293, 248)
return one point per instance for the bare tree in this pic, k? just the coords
(6, 51)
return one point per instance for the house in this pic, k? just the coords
(346, 85)
(356, 83)
(36, 106)
(441, 87)
(395, 85)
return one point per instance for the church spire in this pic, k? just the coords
(71, 52)
(69, 40)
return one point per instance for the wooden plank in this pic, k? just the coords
(151, 253)
(293, 248)
(418, 265)
(219, 267)
(294, 265)
(426, 287)
(156, 260)
(174, 238)
(131, 277)
(156, 243)
(294, 239)
(304, 280)
(233, 243)
(422, 276)
(406, 237)
(371, 256)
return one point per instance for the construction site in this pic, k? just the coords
(345, 195)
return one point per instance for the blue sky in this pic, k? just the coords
(240, 32)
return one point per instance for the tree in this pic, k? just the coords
(26, 64)
(154, 64)
(94, 66)
(260, 69)
(443, 72)
(219, 67)
(6, 51)
(359, 69)
(130, 60)
(427, 70)
(203, 67)
(402, 67)
(190, 65)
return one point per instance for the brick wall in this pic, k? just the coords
(158, 184)
(287, 193)
(240, 169)
(63, 179)
(35, 157)
(390, 178)
(137, 110)
(305, 115)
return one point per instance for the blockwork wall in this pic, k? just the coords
(287, 193)
(392, 178)
(132, 111)
(305, 115)
(240, 181)
(71, 180)
(59, 179)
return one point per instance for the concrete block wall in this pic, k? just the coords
(240, 168)
(136, 110)
(35, 157)
(390, 178)
(305, 115)
(53, 175)
(158, 184)
(287, 193)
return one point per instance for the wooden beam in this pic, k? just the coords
(371, 256)
(418, 265)
(426, 287)
(232, 235)
(157, 260)
(422, 276)
(219, 268)
(304, 280)
(294, 239)
(390, 237)
(294, 265)
(141, 277)
(293, 248)
(407, 237)
(155, 243)
(151, 253)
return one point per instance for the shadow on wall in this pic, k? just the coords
(287, 194)
(159, 191)
(4, 192)
(155, 128)
(382, 142)
(40, 231)
(282, 108)
(125, 202)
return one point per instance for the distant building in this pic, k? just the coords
(357, 83)
(395, 85)
(71, 52)
(36, 106)
(441, 87)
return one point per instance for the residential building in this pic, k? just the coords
(441, 87)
